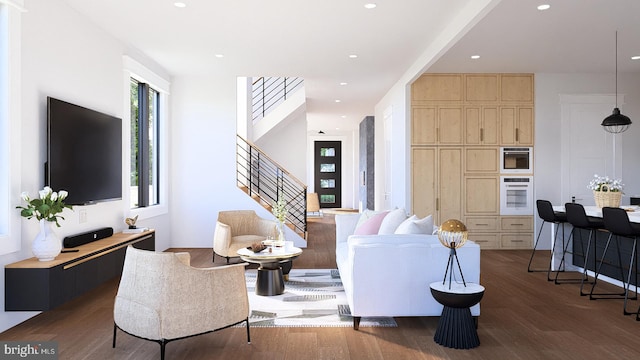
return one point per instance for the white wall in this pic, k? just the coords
(65, 56)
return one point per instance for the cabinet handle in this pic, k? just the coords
(437, 204)
(514, 224)
(482, 224)
(517, 134)
(517, 241)
(481, 135)
(437, 134)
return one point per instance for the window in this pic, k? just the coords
(145, 100)
(148, 170)
(10, 14)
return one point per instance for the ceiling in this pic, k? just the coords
(314, 41)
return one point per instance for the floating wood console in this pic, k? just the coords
(32, 285)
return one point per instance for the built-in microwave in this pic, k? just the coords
(516, 160)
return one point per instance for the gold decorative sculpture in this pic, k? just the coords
(452, 234)
(131, 222)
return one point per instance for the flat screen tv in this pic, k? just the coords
(84, 153)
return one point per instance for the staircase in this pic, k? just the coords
(267, 182)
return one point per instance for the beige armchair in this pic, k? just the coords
(161, 298)
(237, 229)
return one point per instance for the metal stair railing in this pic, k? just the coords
(267, 92)
(267, 182)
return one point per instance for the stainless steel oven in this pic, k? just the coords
(516, 195)
(516, 160)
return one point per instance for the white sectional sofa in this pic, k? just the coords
(389, 275)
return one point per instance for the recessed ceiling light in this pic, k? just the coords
(343, 83)
(344, 116)
(219, 56)
(543, 7)
(475, 57)
(353, 56)
(370, 6)
(637, 57)
(179, 4)
(337, 100)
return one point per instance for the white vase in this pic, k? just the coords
(280, 240)
(47, 245)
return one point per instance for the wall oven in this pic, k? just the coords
(516, 160)
(516, 195)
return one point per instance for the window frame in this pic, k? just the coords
(140, 73)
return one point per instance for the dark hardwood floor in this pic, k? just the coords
(523, 317)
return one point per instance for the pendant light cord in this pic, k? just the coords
(616, 68)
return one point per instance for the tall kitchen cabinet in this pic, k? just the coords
(458, 124)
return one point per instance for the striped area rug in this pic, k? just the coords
(311, 298)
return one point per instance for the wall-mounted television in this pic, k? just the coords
(84, 153)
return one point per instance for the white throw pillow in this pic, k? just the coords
(414, 225)
(391, 222)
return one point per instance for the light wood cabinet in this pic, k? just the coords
(437, 125)
(441, 88)
(481, 195)
(437, 182)
(481, 88)
(458, 124)
(483, 160)
(516, 88)
(481, 125)
(516, 125)
(516, 232)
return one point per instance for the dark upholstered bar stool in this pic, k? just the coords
(548, 215)
(616, 220)
(577, 217)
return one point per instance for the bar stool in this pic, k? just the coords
(548, 215)
(577, 217)
(616, 220)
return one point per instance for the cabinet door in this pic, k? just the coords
(516, 88)
(490, 127)
(516, 125)
(524, 131)
(508, 125)
(481, 195)
(481, 160)
(450, 125)
(437, 88)
(423, 181)
(481, 88)
(472, 125)
(423, 125)
(449, 184)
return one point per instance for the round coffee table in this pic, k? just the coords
(456, 328)
(270, 279)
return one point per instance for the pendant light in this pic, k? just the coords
(616, 122)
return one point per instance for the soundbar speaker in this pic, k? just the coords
(85, 238)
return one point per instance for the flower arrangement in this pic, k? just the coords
(280, 210)
(614, 185)
(46, 207)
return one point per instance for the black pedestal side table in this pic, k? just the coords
(270, 280)
(456, 327)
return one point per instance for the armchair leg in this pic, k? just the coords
(356, 322)
(248, 332)
(163, 344)
(115, 328)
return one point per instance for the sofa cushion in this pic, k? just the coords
(371, 225)
(415, 225)
(391, 222)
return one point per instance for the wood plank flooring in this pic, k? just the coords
(523, 317)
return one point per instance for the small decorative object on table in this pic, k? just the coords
(256, 247)
(131, 222)
(607, 192)
(47, 245)
(280, 212)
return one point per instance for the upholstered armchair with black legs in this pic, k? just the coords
(162, 298)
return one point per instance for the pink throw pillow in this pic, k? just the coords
(372, 225)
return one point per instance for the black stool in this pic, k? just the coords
(548, 215)
(579, 219)
(616, 220)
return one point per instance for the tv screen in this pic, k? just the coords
(84, 153)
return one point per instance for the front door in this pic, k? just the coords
(327, 173)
